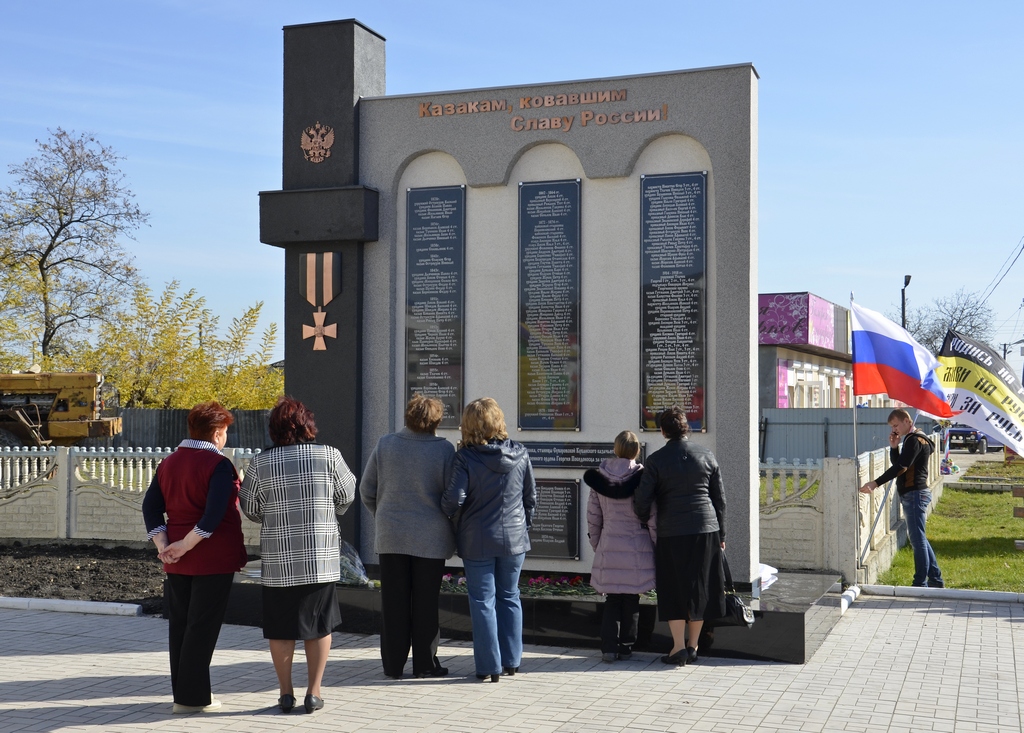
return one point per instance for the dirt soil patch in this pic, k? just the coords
(83, 573)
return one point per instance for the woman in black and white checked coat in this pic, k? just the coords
(297, 490)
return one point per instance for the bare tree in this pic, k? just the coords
(61, 221)
(963, 311)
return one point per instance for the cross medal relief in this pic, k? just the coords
(320, 283)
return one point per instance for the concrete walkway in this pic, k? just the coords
(891, 664)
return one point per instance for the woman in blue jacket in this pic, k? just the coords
(492, 482)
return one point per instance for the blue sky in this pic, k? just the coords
(890, 133)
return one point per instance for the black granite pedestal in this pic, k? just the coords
(793, 617)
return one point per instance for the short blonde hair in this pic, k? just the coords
(423, 414)
(900, 415)
(482, 420)
(627, 445)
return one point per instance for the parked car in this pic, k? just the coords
(974, 440)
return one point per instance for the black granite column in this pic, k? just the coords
(322, 217)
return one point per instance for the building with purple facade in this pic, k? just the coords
(804, 357)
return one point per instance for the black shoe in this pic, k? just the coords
(286, 703)
(624, 653)
(485, 677)
(678, 659)
(509, 671)
(691, 655)
(437, 671)
(936, 584)
(312, 702)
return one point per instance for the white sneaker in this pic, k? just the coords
(213, 707)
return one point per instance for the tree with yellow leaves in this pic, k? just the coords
(167, 353)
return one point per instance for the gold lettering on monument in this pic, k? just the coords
(432, 109)
(562, 123)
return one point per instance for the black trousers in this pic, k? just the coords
(195, 607)
(409, 591)
(619, 622)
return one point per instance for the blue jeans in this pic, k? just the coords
(496, 613)
(926, 567)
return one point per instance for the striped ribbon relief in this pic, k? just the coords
(319, 284)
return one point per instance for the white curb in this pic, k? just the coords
(956, 594)
(848, 597)
(54, 604)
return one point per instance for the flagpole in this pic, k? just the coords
(853, 391)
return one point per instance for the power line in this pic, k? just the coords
(987, 293)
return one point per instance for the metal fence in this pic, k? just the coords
(816, 433)
(143, 428)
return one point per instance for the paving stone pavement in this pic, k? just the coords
(891, 664)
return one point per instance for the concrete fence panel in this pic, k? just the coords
(86, 493)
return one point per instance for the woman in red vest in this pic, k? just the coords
(191, 514)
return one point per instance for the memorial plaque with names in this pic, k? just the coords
(434, 291)
(673, 283)
(549, 305)
(571, 455)
(556, 521)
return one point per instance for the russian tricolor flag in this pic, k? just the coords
(886, 359)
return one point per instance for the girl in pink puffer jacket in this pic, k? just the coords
(623, 546)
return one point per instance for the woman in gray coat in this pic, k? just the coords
(401, 487)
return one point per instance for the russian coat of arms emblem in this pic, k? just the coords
(316, 142)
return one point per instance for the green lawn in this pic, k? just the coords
(996, 469)
(972, 534)
(793, 484)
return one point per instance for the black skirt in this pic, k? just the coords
(300, 611)
(690, 577)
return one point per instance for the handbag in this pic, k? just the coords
(737, 613)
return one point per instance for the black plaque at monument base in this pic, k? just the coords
(796, 613)
(556, 520)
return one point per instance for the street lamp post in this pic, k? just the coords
(903, 297)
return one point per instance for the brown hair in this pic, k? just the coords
(482, 420)
(673, 423)
(291, 422)
(899, 414)
(207, 418)
(423, 414)
(627, 445)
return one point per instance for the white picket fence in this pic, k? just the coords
(85, 493)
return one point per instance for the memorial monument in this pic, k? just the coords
(584, 252)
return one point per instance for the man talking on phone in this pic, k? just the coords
(910, 469)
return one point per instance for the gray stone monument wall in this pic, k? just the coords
(492, 139)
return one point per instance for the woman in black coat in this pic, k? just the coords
(683, 480)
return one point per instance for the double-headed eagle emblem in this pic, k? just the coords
(316, 142)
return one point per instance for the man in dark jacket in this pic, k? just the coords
(910, 469)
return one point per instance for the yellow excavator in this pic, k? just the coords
(53, 408)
